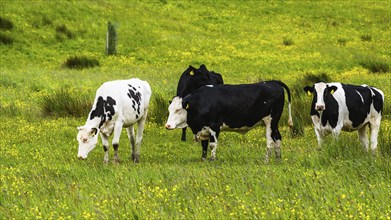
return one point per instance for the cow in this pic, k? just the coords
(239, 108)
(336, 106)
(192, 79)
(118, 104)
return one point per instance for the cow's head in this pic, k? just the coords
(87, 138)
(320, 91)
(177, 117)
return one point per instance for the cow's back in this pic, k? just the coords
(131, 98)
(235, 105)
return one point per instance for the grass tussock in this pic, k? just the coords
(287, 42)
(5, 39)
(81, 62)
(6, 24)
(342, 41)
(159, 112)
(62, 32)
(375, 65)
(366, 37)
(9, 110)
(64, 103)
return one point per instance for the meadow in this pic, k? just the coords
(42, 101)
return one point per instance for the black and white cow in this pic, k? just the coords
(117, 104)
(192, 79)
(337, 106)
(239, 108)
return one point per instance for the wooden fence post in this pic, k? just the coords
(111, 39)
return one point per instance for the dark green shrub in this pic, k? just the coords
(5, 24)
(80, 62)
(5, 39)
(63, 103)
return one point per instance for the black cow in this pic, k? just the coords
(212, 109)
(192, 79)
(337, 106)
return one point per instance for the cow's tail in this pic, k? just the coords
(290, 121)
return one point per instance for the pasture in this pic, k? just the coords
(42, 102)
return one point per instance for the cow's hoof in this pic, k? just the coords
(213, 159)
(266, 160)
(106, 162)
(203, 159)
(116, 161)
(135, 158)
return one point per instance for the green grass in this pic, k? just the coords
(41, 177)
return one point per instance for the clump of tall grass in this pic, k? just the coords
(159, 109)
(63, 32)
(43, 21)
(342, 41)
(366, 37)
(64, 103)
(9, 110)
(81, 62)
(375, 65)
(6, 24)
(287, 41)
(384, 141)
(6, 39)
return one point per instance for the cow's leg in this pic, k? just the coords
(115, 141)
(139, 137)
(213, 144)
(204, 144)
(319, 137)
(132, 140)
(375, 126)
(276, 136)
(105, 143)
(204, 136)
(269, 140)
(363, 137)
(183, 134)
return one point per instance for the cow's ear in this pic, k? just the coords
(309, 90)
(203, 68)
(93, 131)
(191, 70)
(185, 104)
(332, 89)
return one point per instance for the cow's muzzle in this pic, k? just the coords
(320, 108)
(168, 127)
(81, 158)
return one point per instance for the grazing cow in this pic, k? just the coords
(337, 106)
(117, 104)
(239, 108)
(193, 79)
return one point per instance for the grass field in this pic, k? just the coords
(42, 102)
